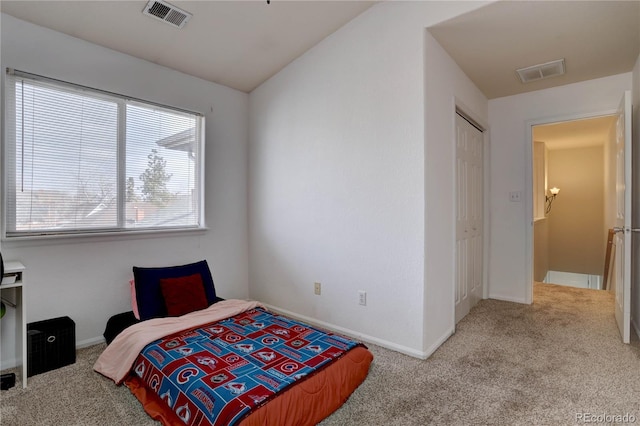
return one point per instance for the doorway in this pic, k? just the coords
(574, 194)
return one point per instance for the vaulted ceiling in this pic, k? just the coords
(238, 44)
(242, 43)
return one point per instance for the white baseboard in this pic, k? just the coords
(573, 279)
(356, 335)
(89, 342)
(12, 363)
(438, 343)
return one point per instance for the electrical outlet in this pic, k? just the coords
(362, 297)
(317, 288)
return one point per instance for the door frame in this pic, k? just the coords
(460, 108)
(528, 191)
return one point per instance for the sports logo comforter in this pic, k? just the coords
(218, 373)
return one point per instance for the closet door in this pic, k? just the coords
(469, 220)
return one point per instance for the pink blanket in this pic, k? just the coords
(116, 360)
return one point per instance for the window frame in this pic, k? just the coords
(8, 175)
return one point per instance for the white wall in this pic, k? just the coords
(87, 279)
(511, 222)
(337, 180)
(635, 248)
(446, 87)
(577, 239)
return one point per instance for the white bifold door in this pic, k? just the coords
(469, 216)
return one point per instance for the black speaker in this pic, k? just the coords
(51, 344)
(7, 381)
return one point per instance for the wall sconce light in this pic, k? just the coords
(549, 199)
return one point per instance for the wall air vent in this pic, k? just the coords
(540, 71)
(167, 13)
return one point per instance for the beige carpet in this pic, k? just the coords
(508, 364)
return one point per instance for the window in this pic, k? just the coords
(79, 160)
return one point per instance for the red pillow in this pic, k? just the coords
(183, 295)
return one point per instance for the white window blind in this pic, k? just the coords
(79, 160)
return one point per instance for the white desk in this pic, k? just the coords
(12, 282)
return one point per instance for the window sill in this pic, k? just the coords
(44, 240)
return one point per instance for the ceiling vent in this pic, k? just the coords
(540, 71)
(167, 13)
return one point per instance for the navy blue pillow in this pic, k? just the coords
(151, 303)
